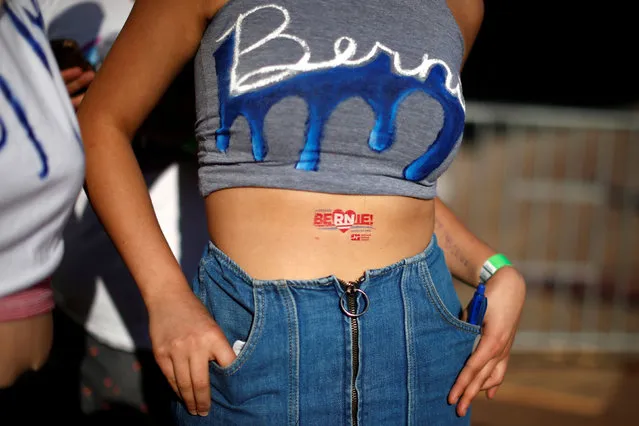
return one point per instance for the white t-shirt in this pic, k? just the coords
(92, 284)
(41, 157)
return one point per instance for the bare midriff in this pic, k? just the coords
(285, 234)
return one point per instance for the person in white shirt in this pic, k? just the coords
(102, 352)
(41, 173)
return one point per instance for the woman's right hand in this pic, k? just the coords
(185, 339)
(157, 40)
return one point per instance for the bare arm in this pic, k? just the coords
(469, 15)
(157, 40)
(159, 37)
(506, 293)
(465, 253)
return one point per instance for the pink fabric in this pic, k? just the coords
(27, 303)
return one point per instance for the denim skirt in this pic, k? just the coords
(384, 350)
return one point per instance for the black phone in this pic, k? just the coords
(69, 55)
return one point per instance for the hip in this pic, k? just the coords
(383, 350)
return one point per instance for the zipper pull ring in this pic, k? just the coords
(350, 293)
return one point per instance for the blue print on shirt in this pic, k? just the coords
(22, 29)
(24, 121)
(3, 134)
(36, 18)
(323, 90)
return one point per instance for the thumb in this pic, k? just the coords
(222, 352)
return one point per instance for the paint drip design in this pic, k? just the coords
(378, 78)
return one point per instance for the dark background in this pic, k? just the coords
(557, 52)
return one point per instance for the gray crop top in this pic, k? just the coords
(347, 97)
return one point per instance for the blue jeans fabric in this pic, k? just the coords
(300, 358)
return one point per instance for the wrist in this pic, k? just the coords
(162, 290)
(507, 284)
(492, 265)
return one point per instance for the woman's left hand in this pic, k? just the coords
(485, 369)
(76, 80)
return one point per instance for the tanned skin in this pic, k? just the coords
(268, 232)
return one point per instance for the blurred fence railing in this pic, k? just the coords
(558, 191)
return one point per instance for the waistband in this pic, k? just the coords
(429, 255)
(27, 303)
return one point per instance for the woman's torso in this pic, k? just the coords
(306, 184)
(275, 233)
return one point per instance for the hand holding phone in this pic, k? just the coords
(76, 71)
(69, 55)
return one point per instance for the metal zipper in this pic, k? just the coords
(351, 290)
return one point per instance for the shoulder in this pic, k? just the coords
(469, 15)
(210, 7)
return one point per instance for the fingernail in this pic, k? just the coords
(206, 413)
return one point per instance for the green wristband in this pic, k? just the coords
(492, 265)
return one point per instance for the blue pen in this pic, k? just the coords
(477, 306)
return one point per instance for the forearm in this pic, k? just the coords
(465, 253)
(158, 39)
(120, 197)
